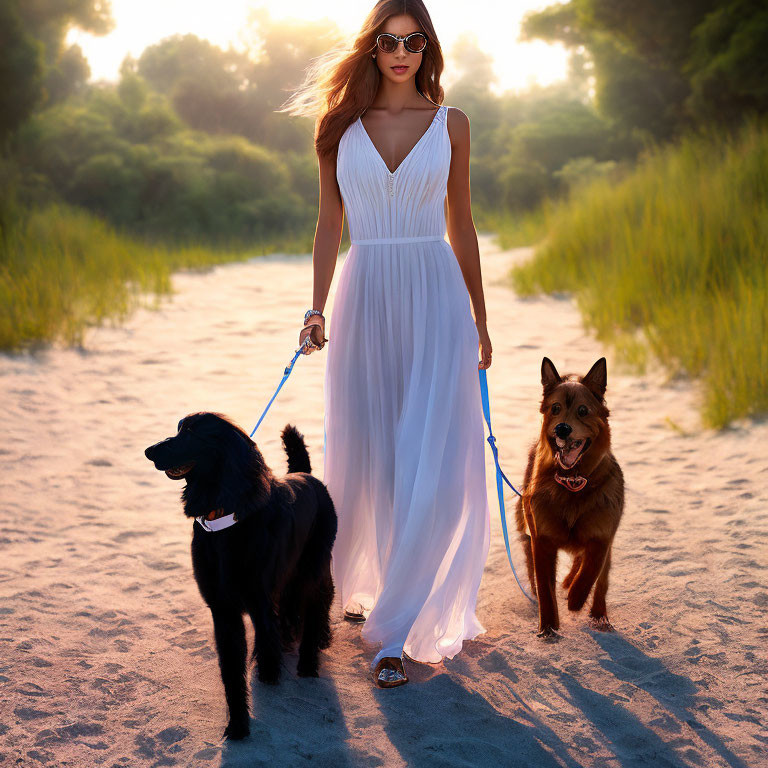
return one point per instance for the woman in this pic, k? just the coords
(404, 437)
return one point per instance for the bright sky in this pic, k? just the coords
(140, 23)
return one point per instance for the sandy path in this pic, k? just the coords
(106, 654)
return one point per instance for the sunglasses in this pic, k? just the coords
(416, 42)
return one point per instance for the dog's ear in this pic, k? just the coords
(245, 477)
(597, 379)
(549, 375)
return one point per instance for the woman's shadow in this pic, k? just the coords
(458, 726)
(436, 721)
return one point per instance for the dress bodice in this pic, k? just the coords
(408, 202)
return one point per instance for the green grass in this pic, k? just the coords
(672, 262)
(63, 270)
(512, 229)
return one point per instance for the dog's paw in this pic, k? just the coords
(307, 670)
(576, 599)
(601, 624)
(549, 634)
(236, 730)
(269, 676)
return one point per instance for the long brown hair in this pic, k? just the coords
(342, 83)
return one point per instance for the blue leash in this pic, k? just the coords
(491, 440)
(286, 374)
(499, 476)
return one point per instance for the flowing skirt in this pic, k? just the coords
(404, 448)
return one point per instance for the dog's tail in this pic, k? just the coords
(296, 449)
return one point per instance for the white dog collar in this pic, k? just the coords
(218, 524)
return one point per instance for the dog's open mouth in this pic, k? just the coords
(570, 451)
(178, 472)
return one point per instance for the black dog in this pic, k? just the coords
(273, 559)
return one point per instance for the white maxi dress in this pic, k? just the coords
(404, 437)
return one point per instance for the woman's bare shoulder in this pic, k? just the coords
(458, 125)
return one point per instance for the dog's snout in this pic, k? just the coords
(562, 430)
(151, 452)
(148, 452)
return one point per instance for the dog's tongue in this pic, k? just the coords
(570, 453)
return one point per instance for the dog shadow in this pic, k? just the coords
(296, 722)
(674, 692)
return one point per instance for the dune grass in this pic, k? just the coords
(63, 270)
(672, 262)
(513, 229)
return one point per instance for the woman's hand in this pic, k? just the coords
(316, 328)
(485, 346)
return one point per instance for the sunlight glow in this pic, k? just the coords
(140, 23)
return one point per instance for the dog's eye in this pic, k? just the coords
(582, 410)
(556, 408)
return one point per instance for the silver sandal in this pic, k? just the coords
(390, 672)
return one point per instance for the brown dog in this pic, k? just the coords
(574, 495)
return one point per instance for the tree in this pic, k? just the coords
(232, 91)
(661, 67)
(728, 65)
(35, 67)
(21, 70)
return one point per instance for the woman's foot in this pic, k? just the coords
(354, 613)
(390, 672)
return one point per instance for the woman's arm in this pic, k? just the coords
(461, 228)
(325, 250)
